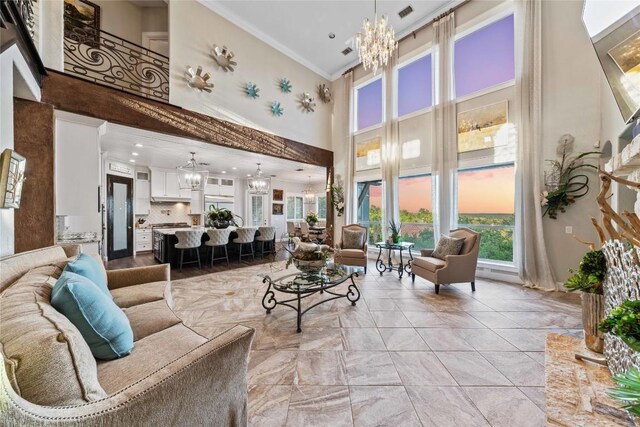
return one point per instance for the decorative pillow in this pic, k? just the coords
(102, 324)
(86, 266)
(447, 246)
(352, 239)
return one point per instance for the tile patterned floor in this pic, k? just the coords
(402, 356)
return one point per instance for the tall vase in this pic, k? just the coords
(592, 315)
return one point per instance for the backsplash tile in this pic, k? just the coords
(167, 212)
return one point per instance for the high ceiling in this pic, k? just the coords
(166, 151)
(300, 29)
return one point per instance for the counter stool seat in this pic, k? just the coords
(189, 240)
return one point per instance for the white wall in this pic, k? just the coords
(193, 30)
(17, 81)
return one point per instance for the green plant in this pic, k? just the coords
(564, 184)
(312, 217)
(624, 322)
(337, 198)
(394, 229)
(628, 390)
(590, 274)
(220, 215)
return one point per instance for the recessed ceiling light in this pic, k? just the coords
(132, 161)
(223, 171)
(234, 168)
(139, 145)
(248, 174)
(134, 153)
(332, 36)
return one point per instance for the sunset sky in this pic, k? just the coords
(479, 191)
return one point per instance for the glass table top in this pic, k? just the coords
(399, 245)
(294, 281)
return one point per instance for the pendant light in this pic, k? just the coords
(192, 176)
(377, 41)
(258, 184)
(309, 194)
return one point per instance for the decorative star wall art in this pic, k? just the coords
(307, 102)
(285, 86)
(252, 90)
(324, 93)
(276, 109)
(223, 57)
(196, 80)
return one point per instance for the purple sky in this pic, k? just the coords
(485, 57)
(370, 104)
(414, 86)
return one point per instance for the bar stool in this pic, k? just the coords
(218, 238)
(189, 239)
(245, 237)
(267, 235)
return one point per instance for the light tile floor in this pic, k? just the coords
(402, 356)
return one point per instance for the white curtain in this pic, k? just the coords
(533, 263)
(390, 159)
(444, 130)
(349, 197)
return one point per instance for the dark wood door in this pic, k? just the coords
(119, 217)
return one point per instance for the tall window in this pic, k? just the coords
(486, 204)
(414, 86)
(321, 206)
(370, 208)
(485, 57)
(414, 194)
(295, 208)
(369, 105)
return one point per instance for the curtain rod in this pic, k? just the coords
(422, 27)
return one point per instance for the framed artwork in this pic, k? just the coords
(278, 195)
(12, 167)
(368, 154)
(82, 21)
(483, 127)
(277, 209)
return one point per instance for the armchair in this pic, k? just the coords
(353, 246)
(455, 268)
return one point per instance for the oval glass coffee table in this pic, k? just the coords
(299, 285)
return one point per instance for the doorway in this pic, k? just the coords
(257, 215)
(119, 217)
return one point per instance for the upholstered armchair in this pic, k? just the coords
(353, 246)
(454, 268)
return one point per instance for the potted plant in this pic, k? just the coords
(312, 218)
(308, 257)
(628, 390)
(394, 229)
(624, 322)
(220, 217)
(589, 279)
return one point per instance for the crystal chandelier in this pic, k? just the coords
(258, 184)
(309, 194)
(192, 176)
(376, 42)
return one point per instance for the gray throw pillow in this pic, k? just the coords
(352, 239)
(447, 246)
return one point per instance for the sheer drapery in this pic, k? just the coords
(390, 159)
(533, 263)
(348, 106)
(443, 124)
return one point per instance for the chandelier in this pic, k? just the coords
(192, 176)
(376, 42)
(258, 184)
(309, 194)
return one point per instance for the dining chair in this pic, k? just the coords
(189, 240)
(245, 237)
(291, 231)
(304, 230)
(218, 238)
(267, 236)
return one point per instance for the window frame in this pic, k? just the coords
(360, 85)
(296, 196)
(396, 81)
(318, 197)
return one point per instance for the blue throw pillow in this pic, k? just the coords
(103, 325)
(86, 266)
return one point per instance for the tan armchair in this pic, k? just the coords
(349, 254)
(455, 268)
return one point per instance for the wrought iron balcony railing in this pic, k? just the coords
(106, 59)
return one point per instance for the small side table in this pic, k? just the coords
(401, 268)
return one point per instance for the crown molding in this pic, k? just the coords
(219, 9)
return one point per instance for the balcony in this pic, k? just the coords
(106, 59)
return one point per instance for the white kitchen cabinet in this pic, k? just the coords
(171, 185)
(196, 206)
(218, 186)
(164, 185)
(227, 187)
(143, 195)
(143, 240)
